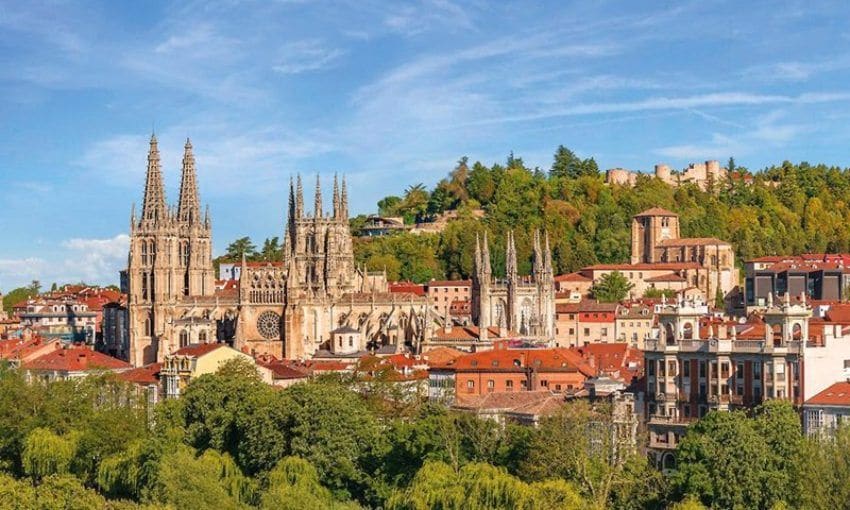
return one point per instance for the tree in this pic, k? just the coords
(294, 485)
(480, 485)
(565, 164)
(612, 287)
(271, 249)
(46, 453)
(65, 492)
(188, 482)
(721, 460)
(35, 287)
(576, 444)
(730, 166)
(239, 248)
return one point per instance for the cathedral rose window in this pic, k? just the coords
(268, 324)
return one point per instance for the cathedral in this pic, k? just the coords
(314, 303)
(523, 304)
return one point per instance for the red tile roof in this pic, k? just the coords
(198, 350)
(525, 402)
(836, 395)
(148, 374)
(558, 359)
(644, 266)
(669, 277)
(470, 333)
(75, 359)
(441, 356)
(655, 211)
(572, 277)
(586, 306)
(449, 283)
(410, 287)
(838, 313)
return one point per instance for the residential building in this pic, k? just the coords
(826, 411)
(116, 331)
(193, 361)
(510, 370)
(699, 363)
(66, 319)
(442, 293)
(821, 276)
(634, 322)
(70, 363)
(584, 323)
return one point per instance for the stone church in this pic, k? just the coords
(523, 304)
(316, 303)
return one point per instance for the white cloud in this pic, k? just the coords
(96, 260)
(17, 272)
(307, 55)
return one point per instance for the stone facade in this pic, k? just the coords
(701, 174)
(286, 310)
(522, 304)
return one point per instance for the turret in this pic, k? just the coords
(511, 270)
(336, 203)
(344, 201)
(299, 198)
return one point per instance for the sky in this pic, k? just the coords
(388, 93)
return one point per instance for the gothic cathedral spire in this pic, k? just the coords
(344, 201)
(337, 206)
(299, 198)
(317, 209)
(188, 206)
(510, 257)
(154, 209)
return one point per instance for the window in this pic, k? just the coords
(650, 368)
(350, 341)
(470, 386)
(756, 370)
(148, 326)
(184, 338)
(202, 337)
(604, 331)
(702, 368)
(586, 331)
(544, 383)
(739, 370)
(814, 419)
(686, 368)
(509, 385)
(780, 368)
(491, 385)
(724, 370)
(572, 331)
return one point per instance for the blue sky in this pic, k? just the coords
(388, 93)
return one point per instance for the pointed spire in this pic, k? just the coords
(337, 206)
(317, 208)
(485, 256)
(344, 200)
(188, 206)
(207, 218)
(510, 257)
(538, 256)
(547, 256)
(477, 260)
(299, 198)
(133, 217)
(153, 205)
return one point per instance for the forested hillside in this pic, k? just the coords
(790, 208)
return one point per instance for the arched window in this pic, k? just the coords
(184, 253)
(148, 326)
(688, 331)
(144, 252)
(202, 337)
(350, 341)
(184, 338)
(145, 288)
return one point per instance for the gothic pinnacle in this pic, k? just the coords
(188, 205)
(337, 206)
(154, 208)
(344, 200)
(299, 198)
(317, 209)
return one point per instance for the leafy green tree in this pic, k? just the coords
(271, 249)
(65, 492)
(565, 164)
(576, 444)
(187, 482)
(388, 206)
(240, 247)
(46, 453)
(722, 461)
(480, 485)
(612, 287)
(16, 494)
(15, 296)
(294, 485)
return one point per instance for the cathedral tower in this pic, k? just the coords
(170, 259)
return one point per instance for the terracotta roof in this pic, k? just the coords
(441, 356)
(836, 395)
(612, 358)
(572, 277)
(669, 277)
(148, 374)
(197, 350)
(449, 283)
(526, 401)
(693, 241)
(75, 359)
(644, 266)
(586, 306)
(655, 211)
(838, 313)
(409, 287)
(282, 370)
(559, 359)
